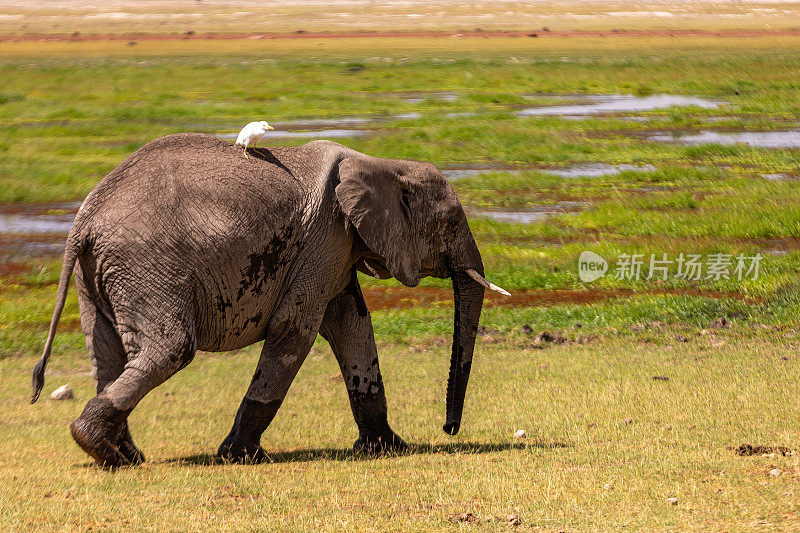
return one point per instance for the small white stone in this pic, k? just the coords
(64, 392)
(520, 434)
(775, 472)
(672, 501)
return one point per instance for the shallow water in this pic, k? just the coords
(405, 116)
(596, 170)
(461, 114)
(776, 177)
(19, 224)
(527, 216)
(318, 123)
(24, 248)
(316, 134)
(518, 217)
(579, 170)
(30, 231)
(460, 173)
(619, 103)
(761, 139)
(312, 127)
(421, 96)
(38, 218)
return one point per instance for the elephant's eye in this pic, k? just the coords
(406, 205)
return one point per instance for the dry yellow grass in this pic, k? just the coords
(418, 46)
(607, 445)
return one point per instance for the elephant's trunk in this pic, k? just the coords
(468, 299)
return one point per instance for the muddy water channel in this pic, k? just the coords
(31, 231)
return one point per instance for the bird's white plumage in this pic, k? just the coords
(252, 132)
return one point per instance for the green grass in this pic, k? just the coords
(68, 121)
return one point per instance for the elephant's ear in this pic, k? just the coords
(372, 195)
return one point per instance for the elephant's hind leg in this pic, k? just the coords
(108, 357)
(102, 429)
(102, 432)
(103, 343)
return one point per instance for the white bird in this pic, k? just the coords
(252, 133)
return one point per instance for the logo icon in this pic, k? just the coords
(591, 266)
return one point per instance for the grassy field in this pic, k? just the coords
(607, 444)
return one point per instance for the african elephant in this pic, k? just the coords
(187, 245)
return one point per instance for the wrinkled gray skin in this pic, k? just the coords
(187, 245)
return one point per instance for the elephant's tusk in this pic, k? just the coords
(489, 285)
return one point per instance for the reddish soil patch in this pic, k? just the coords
(13, 269)
(350, 35)
(379, 298)
(71, 325)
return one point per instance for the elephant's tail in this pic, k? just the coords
(70, 257)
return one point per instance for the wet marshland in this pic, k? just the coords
(29, 232)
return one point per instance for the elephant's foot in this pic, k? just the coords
(242, 443)
(102, 432)
(236, 451)
(386, 441)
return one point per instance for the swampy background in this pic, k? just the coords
(657, 130)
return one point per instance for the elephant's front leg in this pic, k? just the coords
(289, 339)
(348, 328)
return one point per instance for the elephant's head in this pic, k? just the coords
(412, 225)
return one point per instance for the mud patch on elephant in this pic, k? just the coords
(264, 265)
(223, 304)
(257, 319)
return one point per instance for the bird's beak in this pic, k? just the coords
(270, 128)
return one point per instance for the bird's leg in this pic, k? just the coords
(245, 152)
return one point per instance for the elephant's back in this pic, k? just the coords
(192, 182)
(189, 203)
